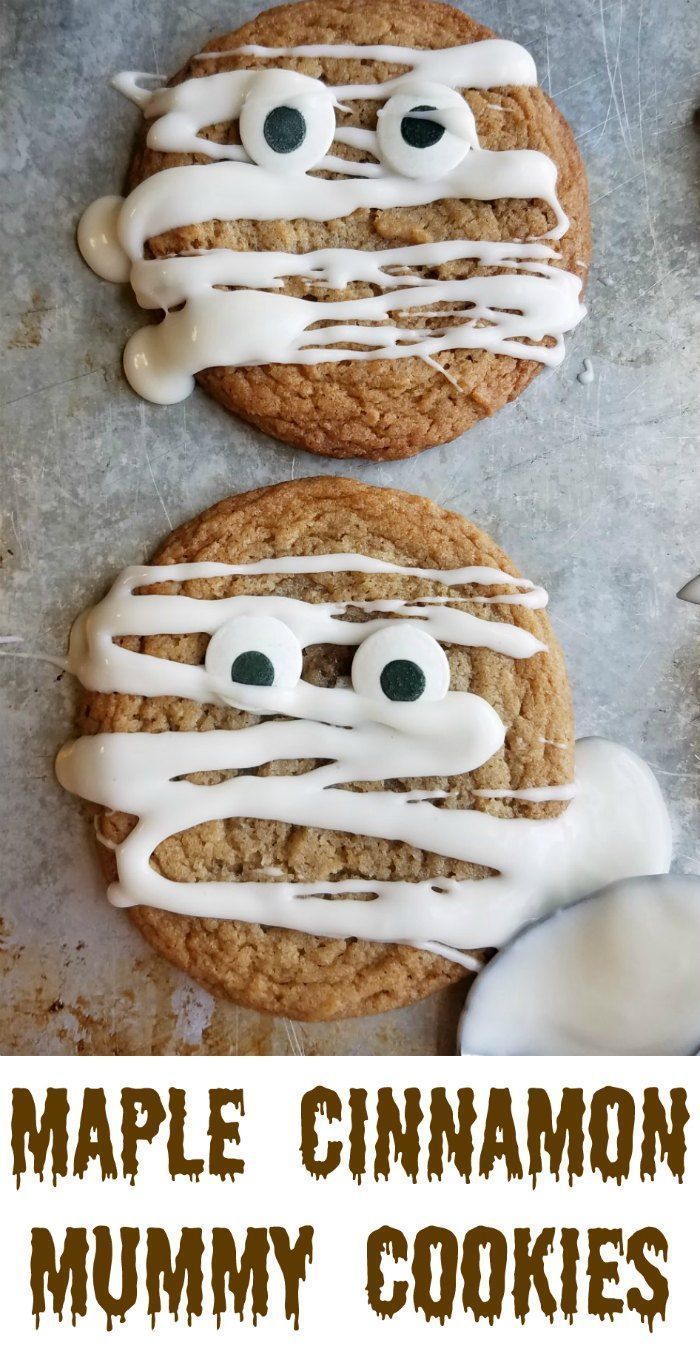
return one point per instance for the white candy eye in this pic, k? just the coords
(258, 652)
(401, 663)
(287, 122)
(420, 146)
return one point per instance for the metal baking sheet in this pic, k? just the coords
(592, 488)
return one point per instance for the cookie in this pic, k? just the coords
(337, 717)
(366, 222)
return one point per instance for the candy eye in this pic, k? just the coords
(401, 663)
(421, 146)
(257, 652)
(287, 122)
(421, 132)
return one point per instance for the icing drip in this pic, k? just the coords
(130, 84)
(98, 241)
(613, 975)
(522, 312)
(617, 823)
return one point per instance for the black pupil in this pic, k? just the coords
(284, 129)
(254, 668)
(402, 681)
(421, 132)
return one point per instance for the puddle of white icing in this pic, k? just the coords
(511, 313)
(690, 593)
(616, 974)
(98, 240)
(586, 375)
(616, 825)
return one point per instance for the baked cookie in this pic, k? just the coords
(367, 224)
(321, 732)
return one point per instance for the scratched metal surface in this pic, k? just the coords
(592, 488)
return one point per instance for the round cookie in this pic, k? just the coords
(383, 408)
(276, 969)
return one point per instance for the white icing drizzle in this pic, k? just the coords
(690, 593)
(103, 666)
(334, 562)
(475, 65)
(617, 823)
(613, 975)
(511, 313)
(188, 194)
(167, 283)
(249, 328)
(130, 84)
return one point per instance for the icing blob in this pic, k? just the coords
(615, 974)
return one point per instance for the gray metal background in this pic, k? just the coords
(592, 488)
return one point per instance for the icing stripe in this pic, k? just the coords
(247, 328)
(335, 562)
(189, 194)
(169, 282)
(475, 65)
